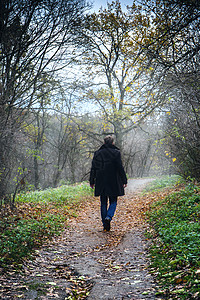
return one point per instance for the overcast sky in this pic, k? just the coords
(98, 3)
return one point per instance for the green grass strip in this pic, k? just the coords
(175, 252)
(40, 216)
(66, 194)
(163, 182)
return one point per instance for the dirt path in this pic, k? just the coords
(111, 265)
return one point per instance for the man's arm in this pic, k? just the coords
(121, 171)
(92, 173)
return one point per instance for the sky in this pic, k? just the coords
(98, 3)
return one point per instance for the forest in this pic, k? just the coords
(70, 76)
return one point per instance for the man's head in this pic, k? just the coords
(108, 140)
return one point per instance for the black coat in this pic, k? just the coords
(107, 172)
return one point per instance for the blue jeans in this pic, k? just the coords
(105, 211)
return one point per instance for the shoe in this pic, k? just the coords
(107, 224)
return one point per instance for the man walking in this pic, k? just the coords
(108, 177)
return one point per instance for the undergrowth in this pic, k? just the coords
(163, 182)
(39, 215)
(175, 250)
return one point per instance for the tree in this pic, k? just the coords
(34, 35)
(114, 57)
(176, 32)
(183, 132)
(175, 53)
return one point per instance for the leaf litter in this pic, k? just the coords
(86, 263)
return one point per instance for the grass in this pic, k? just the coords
(64, 195)
(175, 249)
(39, 216)
(163, 182)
